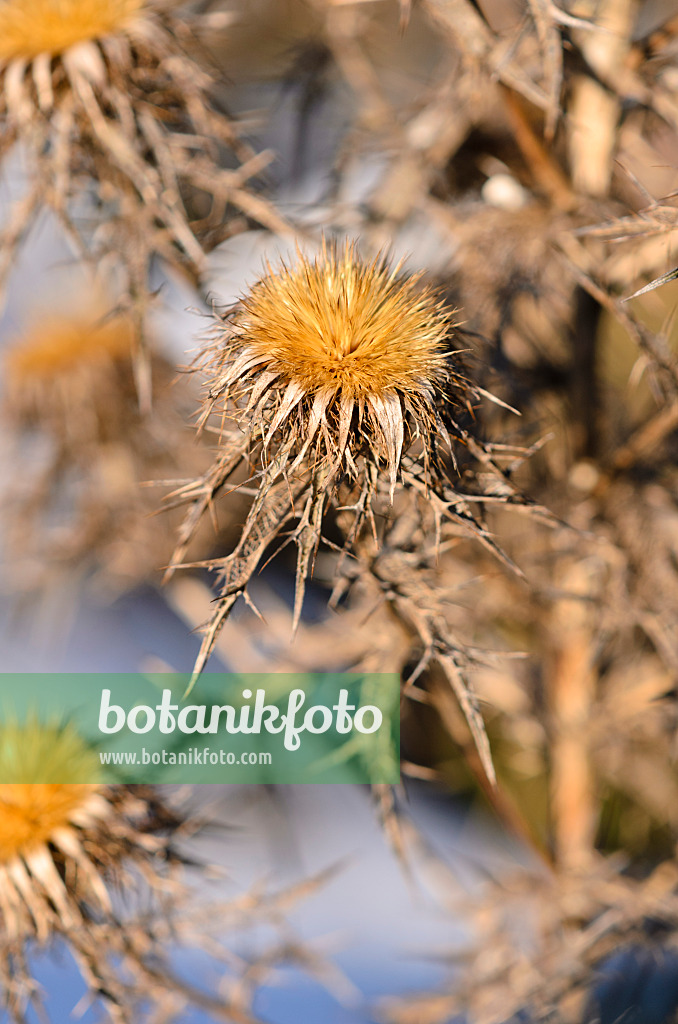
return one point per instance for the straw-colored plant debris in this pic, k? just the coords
(540, 941)
(112, 101)
(72, 421)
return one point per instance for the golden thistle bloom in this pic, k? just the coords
(32, 813)
(31, 27)
(67, 345)
(108, 100)
(70, 383)
(63, 847)
(332, 370)
(97, 868)
(336, 338)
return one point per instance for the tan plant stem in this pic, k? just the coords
(571, 683)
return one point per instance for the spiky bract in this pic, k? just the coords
(31, 27)
(332, 369)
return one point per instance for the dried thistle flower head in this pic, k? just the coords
(66, 346)
(72, 418)
(98, 868)
(111, 100)
(31, 27)
(32, 813)
(332, 370)
(343, 353)
(63, 846)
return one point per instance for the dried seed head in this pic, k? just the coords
(72, 375)
(31, 27)
(31, 814)
(339, 355)
(99, 89)
(48, 829)
(43, 824)
(64, 847)
(332, 370)
(98, 868)
(65, 346)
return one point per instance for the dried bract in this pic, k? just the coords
(560, 946)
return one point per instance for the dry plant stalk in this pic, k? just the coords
(79, 504)
(595, 109)
(112, 100)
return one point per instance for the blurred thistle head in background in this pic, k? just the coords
(114, 104)
(101, 872)
(72, 421)
(64, 848)
(33, 27)
(32, 813)
(55, 353)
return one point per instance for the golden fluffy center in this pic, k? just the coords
(30, 813)
(29, 28)
(344, 324)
